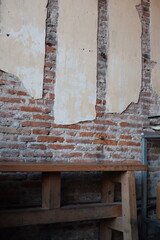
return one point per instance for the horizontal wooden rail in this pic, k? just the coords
(55, 167)
(13, 218)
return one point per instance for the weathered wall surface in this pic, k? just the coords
(28, 132)
(22, 42)
(76, 66)
(124, 55)
(155, 44)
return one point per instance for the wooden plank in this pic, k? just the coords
(129, 210)
(51, 190)
(55, 167)
(42, 216)
(107, 195)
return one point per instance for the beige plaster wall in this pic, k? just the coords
(76, 69)
(124, 57)
(155, 44)
(22, 41)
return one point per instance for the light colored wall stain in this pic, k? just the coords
(75, 91)
(22, 41)
(124, 57)
(155, 44)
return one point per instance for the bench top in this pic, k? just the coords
(68, 167)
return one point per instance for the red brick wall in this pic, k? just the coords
(28, 132)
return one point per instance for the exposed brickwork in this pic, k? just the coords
(28, 132)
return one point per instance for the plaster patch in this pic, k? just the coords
(76, 67)
(124, 55)
(22, 41)
(155, 44)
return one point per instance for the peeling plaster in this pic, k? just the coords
(124, 55)
(76, 66)
(22, 41)
(155, 44)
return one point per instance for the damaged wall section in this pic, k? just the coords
(75, 90)
(124, 56)
(22, 41)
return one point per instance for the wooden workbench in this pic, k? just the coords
(119, 216)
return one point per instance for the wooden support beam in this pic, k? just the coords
(158, 201)
(107, 196)
(51, 190)
(44, 216)
(129, 209)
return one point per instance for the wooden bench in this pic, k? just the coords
(118, 216)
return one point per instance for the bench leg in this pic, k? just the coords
(51, 190)
(129, 209)
(107, 195)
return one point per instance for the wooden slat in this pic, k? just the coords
(51, 190)
(41, 216)
(51, 167)
(107, 196)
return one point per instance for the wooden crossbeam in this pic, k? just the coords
(13, 218)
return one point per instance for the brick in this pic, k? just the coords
(38, 146)
(40, 131)
(73, 134)
(48, 88)
(79, 141)
(129, 143)
(9, 130)
(6, 115)
(70, 155)
(50, 49)
(50, 139)
(37, 154)
(103, 136)
(48, 64)
(35, 109)
(94, 155)
(9, 137)
(66, 126)
(12, 145)
(8, 153)
(51, 96)
(35, 124)
(127, 124)
(2, 82)
(43, 117)
(106, 142)
(18, 93)
(27, 139)
(116, 156)
(12, 100)
(58, 146)
(125, 137)
(48, 80)
(98, 101)
(86, 134)
(49, 73)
